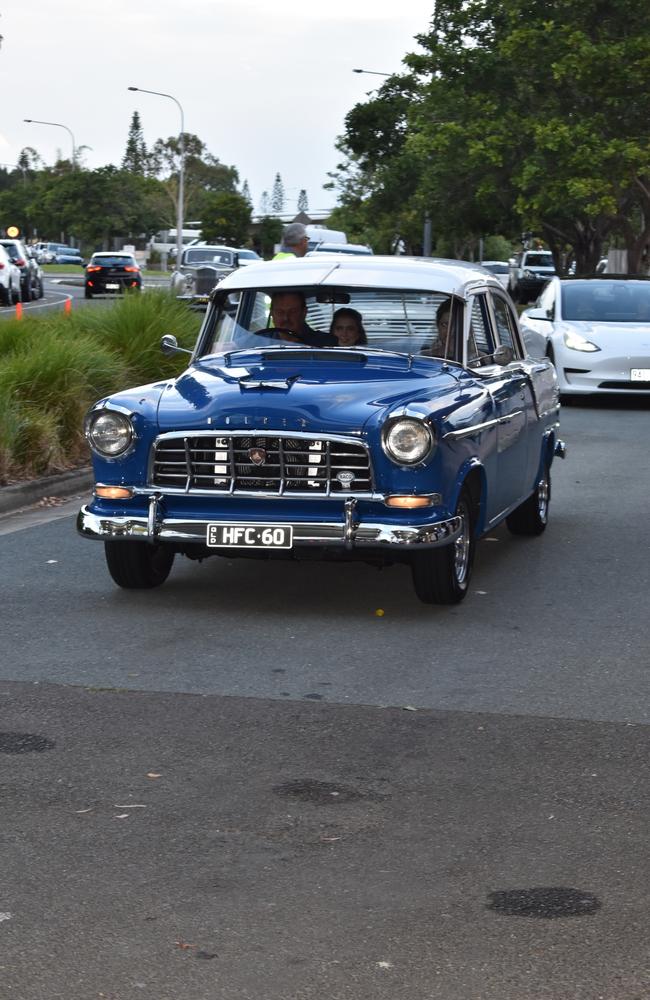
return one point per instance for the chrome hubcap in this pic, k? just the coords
(543, 496)
(461, 547)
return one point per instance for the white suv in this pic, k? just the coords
(9, 279)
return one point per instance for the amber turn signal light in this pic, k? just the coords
(114, 492)
(408, 502)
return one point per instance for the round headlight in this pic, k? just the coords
(408, 441)
(110, 433)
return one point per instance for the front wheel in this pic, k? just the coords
(138, 565)
(531, 517)
(441, 576)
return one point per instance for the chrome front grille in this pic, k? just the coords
(250, 463)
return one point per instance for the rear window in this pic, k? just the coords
(105, 261)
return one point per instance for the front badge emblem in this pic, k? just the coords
(257, 455)
(346, 479)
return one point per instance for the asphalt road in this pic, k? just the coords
(250, 785)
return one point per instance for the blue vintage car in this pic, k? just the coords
(285, 435)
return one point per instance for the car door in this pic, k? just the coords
(509, 387)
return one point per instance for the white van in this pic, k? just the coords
(165, 240)
(318, 234)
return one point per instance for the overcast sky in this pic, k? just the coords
(265, 84)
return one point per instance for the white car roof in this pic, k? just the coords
(366, 271)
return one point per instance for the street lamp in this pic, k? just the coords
(372, 72)
(35, 121)
(181, 172)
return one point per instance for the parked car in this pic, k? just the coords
(202, 267)
(596, 331)
(500, 268)
(45, 252)
(38, 287)
(269, 446)
(247, 256)
(28, 283)
(110, 273)
(68, 255)
(529, 272)
(10, 292)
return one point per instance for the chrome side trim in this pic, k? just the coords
(350, 534)
(474, 429)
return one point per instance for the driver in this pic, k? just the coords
(289, 315)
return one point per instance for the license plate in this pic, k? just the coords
(112, 285)
(250, 536)
(640, 374)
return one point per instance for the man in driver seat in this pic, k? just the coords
(289, 317)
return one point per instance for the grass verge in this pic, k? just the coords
(54, 367)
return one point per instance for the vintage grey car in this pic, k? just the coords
(277, 441)
(202, 268)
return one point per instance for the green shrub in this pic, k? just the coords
(53, 368)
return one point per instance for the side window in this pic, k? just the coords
(480, 341)
(505, 324)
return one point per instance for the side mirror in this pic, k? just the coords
(537, 313)
(169, 345)
(503, 355)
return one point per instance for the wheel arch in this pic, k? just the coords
(472, 478)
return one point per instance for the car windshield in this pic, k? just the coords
(496, 268)
(249, 255)
(391, 320)
(207, 256)
(539, 259)
(606, 301)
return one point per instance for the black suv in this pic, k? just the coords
(111, 273)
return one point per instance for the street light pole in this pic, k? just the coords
(372, 72)
(35, 121)
(181, 172)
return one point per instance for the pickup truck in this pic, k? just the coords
(529, 272)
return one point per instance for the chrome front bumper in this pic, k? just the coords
(348, 534)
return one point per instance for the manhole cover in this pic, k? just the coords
(24, 743)
(319, 792)
(547, 903)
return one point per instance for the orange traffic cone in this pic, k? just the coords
(68, 306)
(19, 310)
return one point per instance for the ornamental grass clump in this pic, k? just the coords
(53, 368)
(133, 328)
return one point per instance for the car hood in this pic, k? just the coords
(320, 391)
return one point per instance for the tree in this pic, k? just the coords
(203, 172)
(246, 193)
(226, 218)
(483, 135)
(265, 203)
(277, 194)
(269, 233)
(303, 201)
(135, 156)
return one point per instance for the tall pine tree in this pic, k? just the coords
(277, 194)
(135, 157)
(303, 201)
